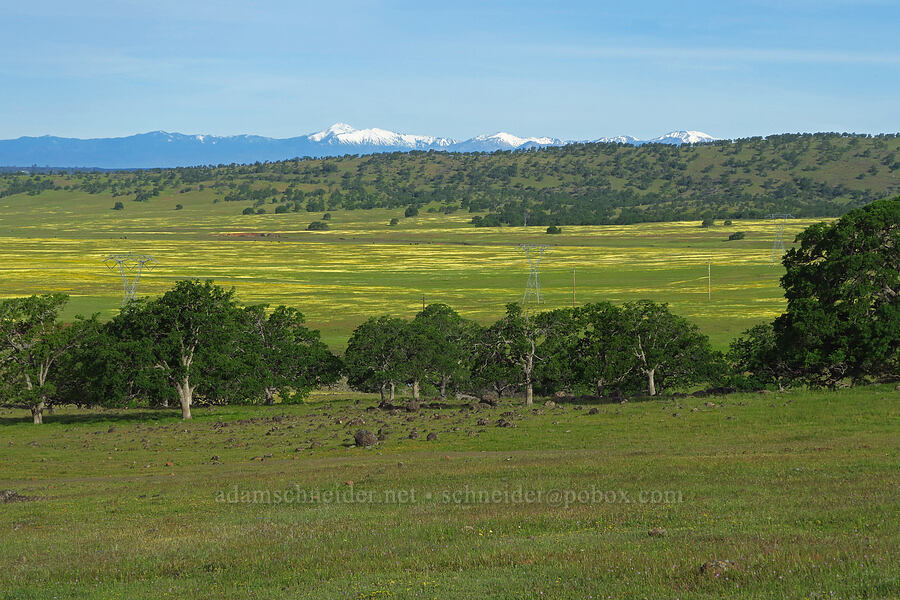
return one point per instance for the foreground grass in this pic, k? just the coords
(798, 489)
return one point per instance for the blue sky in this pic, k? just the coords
(575, 70)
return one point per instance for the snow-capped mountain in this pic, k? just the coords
(619, 139)
(503, 141)
(343, 134)
(678, 138)
(164, 149)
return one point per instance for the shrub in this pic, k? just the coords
(318, 226)
(118, 206)
(554, 229)
(737, 235)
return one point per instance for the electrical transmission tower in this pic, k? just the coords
(533, 254)
(778, 244)
(130, 267)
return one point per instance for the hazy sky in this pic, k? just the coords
(574, 70)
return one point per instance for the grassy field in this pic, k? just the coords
(363, 267)
(798, 490)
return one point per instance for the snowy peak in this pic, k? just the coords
(619, 139)
(343, 134)
(683, 137)
(503, 141)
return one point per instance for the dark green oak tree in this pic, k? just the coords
(843, 290)
(189, 336)
(669, 350)
(283, 356)
(374, 359)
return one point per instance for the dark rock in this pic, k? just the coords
(356, 422)
(549, 404)
(412, 406)
(315, 444)
(481, 422)
(594, 411)
(657, 532)
(413, 435)
(364, 438)
(505, 423)
(431, 436)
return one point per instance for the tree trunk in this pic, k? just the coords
(185, 395)
(270, 396)
(600, 389)
(529, 369)
(37, 412)
(382, 404)
(416, 390)
(651, 382)
(392, 392)
(443, 387)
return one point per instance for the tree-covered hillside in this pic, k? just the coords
(808, 175)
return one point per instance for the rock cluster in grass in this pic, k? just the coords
(364, 438)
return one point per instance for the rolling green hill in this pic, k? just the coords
(808, 175)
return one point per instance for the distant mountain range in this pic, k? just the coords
(163, 149)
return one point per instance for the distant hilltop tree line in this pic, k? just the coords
(195, 344)
(807, 175)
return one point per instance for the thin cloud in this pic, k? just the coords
(720, 54)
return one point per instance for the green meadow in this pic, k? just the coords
(762, 496)
(789, 495)
(363, 267)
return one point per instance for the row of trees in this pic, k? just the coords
(195, 343)
(641, 347)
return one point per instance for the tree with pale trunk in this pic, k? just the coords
(32, 344)
(510, 349)
(669, 350)
(190, 336)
